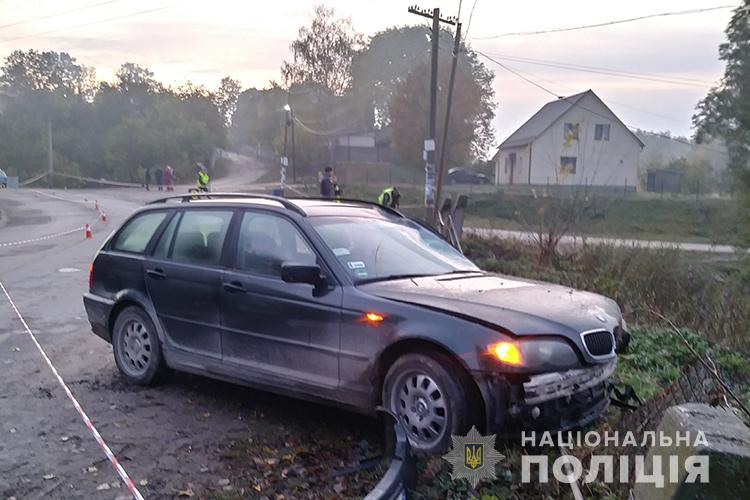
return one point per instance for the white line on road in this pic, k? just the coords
(86, 420)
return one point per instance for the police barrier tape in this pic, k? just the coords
(86, 420)
(101, 216)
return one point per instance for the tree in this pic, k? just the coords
(385, 62)
(470, 132)
(226, 98)
(323, 53)
(51, 72)
(725, 111)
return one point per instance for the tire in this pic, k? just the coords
(136, 347)
(439, 399)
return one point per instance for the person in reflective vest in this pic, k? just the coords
(390, 197)
(202, 178)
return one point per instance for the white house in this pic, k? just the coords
(572, 141)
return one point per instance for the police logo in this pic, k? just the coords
(473, 457)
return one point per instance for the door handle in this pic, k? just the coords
(233, 287)
(156, 273)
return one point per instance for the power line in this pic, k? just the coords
(607, 23)
(57, 14)
(471, 16)
(519, 75)
(116, 18)
(574, 103)
(690, 82)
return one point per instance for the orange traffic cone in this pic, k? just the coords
(104, 217)
(88, 232)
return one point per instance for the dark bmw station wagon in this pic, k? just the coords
(352, 304)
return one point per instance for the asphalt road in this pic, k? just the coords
(573, 241)
(169, 438)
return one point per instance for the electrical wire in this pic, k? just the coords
(690, 82)
(607, 23)
(57, 14)
(471, 16)
(101, 21)
(573, 103)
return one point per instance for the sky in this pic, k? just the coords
(203, 41)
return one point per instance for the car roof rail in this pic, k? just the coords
(186, 198)
(355, 200)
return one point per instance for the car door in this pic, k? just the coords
(287, 333)
(183, 276)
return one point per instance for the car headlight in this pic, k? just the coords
(538, 354)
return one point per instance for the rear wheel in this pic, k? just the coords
(429, 398)
(136, 347)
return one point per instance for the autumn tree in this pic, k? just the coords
(323, 52)
(226, 98)
(470, 130)
(725, 111)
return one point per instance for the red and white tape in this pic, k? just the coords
(101, 217)
(86, 420)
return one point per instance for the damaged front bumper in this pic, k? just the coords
(548, 401)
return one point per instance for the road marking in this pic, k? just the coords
(86, 420)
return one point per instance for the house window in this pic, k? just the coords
(601, 132)
(568, 164)
(570, 132)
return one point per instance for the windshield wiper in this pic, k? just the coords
(391, 277)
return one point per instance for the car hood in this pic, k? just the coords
(519, 306)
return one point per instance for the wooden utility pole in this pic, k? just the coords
(430, 143)
(444, 141)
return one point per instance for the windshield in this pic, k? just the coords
(378, 249)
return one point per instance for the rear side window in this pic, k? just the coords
(134, 237)
(200, 236)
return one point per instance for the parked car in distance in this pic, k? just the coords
(459, 175)
(352, 304)
(3, 179)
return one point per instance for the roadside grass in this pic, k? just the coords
(636, 215)
(703, 220)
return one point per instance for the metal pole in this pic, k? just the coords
(444, 141)
(50, 166)
(294, 152)
(284, 159)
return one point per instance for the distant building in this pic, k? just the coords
(369, 147)
(572, 141)
(660, 180)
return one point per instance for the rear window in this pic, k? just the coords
(134, 237)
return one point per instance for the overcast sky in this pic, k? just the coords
(203, 41)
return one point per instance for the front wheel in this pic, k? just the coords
(136, 347)
(426, 394)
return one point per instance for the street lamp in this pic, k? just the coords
(290, 122)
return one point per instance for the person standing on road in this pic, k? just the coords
(202, 178)
(159, 176)
(390, 197)
(169, 178)
(146, 177)
(329, 188)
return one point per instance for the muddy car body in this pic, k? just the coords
(330, 302)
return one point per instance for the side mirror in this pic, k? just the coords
(301, 273)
